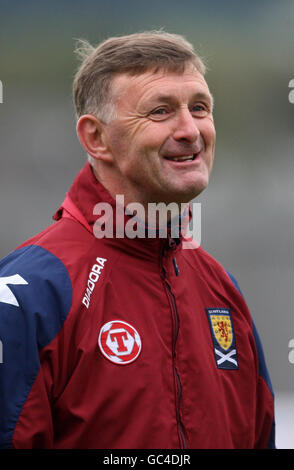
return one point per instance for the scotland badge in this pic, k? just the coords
(223, 338)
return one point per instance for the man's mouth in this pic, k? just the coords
(184, 158)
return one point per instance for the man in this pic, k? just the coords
(131, 342)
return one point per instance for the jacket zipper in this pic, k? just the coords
(183, 442)
(179, 386)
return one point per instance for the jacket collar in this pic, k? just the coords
(85, 193)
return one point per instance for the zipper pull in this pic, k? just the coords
(176, 267)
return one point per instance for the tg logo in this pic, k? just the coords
(119, 342)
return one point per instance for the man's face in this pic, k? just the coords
(163, 137)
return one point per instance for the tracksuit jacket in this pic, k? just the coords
(119, 343)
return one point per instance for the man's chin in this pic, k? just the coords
(192, 190)
(192, 185)
(186, 195)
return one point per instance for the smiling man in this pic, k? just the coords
(160, 144)
(121, 342)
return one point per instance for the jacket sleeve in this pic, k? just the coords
(35, 298)
(265, 417)
(265, 422)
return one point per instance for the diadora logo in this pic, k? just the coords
(92, 279)
(119, 342)
(6, 295)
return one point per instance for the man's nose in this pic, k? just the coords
(187, 129)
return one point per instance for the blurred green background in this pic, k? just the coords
(247, 211)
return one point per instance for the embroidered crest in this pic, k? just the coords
(223, 337)
(119, 342)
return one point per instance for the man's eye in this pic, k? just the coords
(159, 111)
(200, 110)
(158, 114)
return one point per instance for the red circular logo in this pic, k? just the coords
(119, 342)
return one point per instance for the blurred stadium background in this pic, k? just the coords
(247, 211)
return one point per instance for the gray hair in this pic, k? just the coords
(134, 54)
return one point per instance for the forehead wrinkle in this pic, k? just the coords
(175, 94)
(147, 81)
(121, 82)
(168, 97)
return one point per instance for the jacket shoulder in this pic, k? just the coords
(35, 299)
(36, 281)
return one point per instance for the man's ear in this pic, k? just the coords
(90, 131)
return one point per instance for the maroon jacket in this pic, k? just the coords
(130, 343)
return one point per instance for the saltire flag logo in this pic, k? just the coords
(223, 337)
